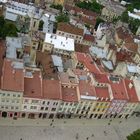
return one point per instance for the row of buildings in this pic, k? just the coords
(72, 73)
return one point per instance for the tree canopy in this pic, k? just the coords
(134, 136)
(132, 23)
(58, 7)
(98, 21)
(7, 28)
(62, 18)
(93, 6)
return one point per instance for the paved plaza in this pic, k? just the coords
(67, 129)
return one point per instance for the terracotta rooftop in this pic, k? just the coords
(123, 56)
(87, 60)
(12, 77)
(65, 27)
(80, 10)
(86, 88)
(70, 94)
(33, 85)
(102, 92)
(101, 78)
(119, 90)
(131, 90)
(65, 78)
(82, 48)
(89, 38)
(52, 89)
(133, 47)
(88, 21)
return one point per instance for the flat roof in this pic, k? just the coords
(60, 42)
(13, 43)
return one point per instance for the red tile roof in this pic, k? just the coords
(52, 89)
(87, 60)
(102, 92)
(70, 94)
(86, 88)
(65, 27)
(82, 48)
(133, 47)
(101, 78)
(89, 38)
(119, 91)
(12, 78)
(131, 90)
(123, 56)
(88, 21)
(33, 86)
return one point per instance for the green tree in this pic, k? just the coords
(62, 18)
(134, 136)
(41, 23)
(58, 7)
(93, 6)
(98, 21)
(125, 17)
(134, 25)
(7, 28)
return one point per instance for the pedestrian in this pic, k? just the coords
(77, 136)
(87, 138)
(92, 135)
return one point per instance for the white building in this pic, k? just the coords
(58, 44)
(48, 19)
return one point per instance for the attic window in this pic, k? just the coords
(32, 91)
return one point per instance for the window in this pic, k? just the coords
(43, 102)
(42, 108)
(66, 103)
(18, 95)
(2, 107)
(25, 107)
(48, 103)
(6, 107)
(2, 100)
(14, 95)
(46, 108)
(17, 107)
(34, 101)
(8, 94)
(12, 107)
(26, 100)
(53, 109)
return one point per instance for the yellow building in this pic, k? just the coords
(61, 2)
